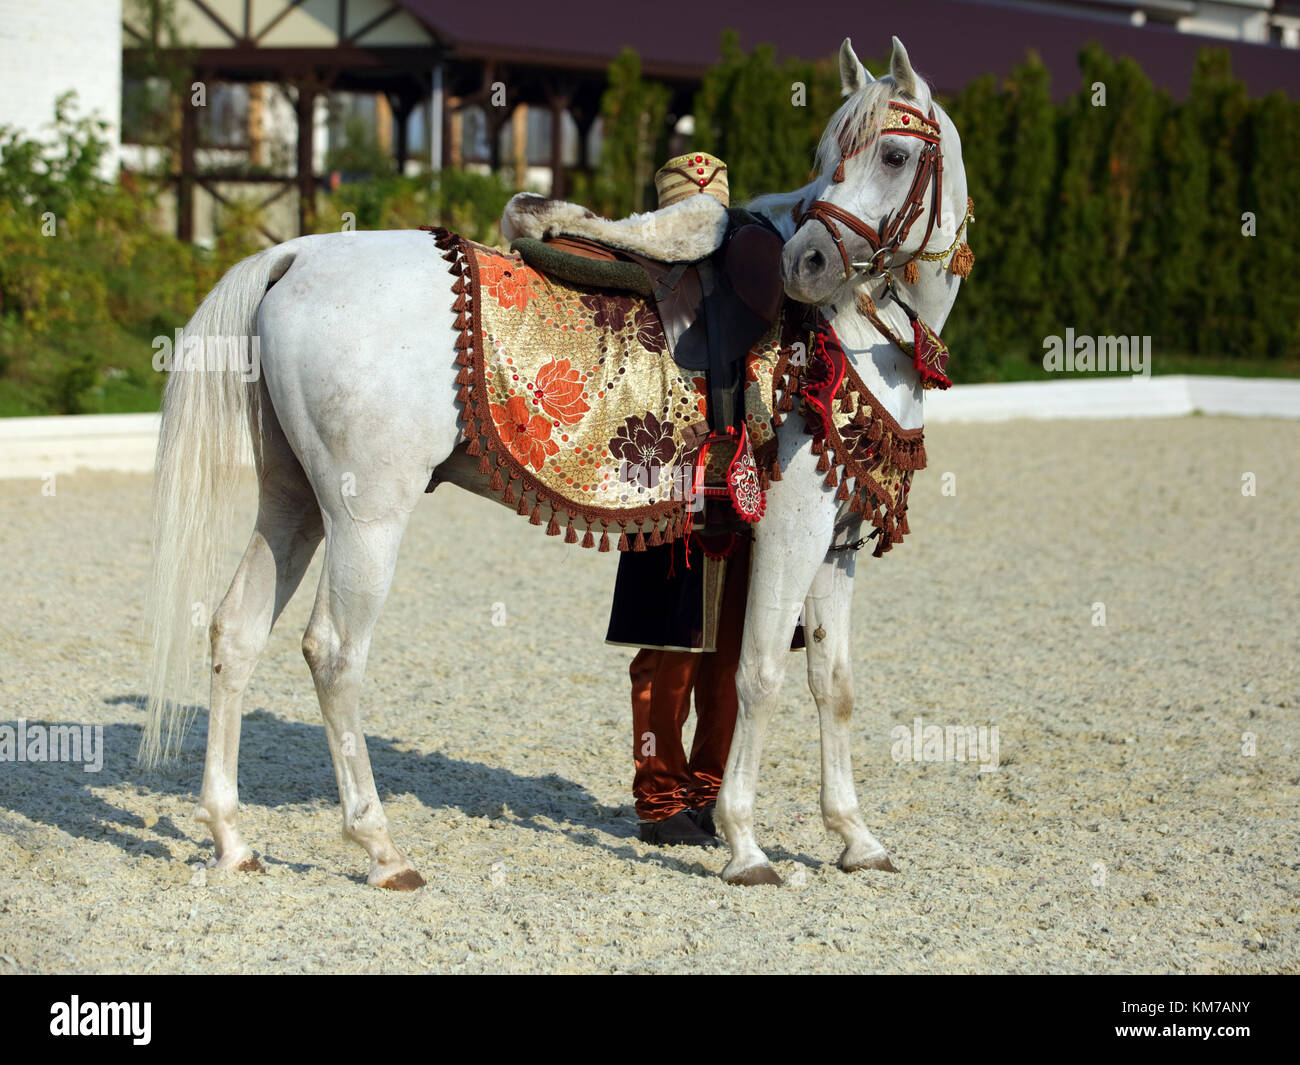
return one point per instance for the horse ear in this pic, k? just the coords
(900, 67)
(853, 75)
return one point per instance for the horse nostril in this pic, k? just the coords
(813, 262)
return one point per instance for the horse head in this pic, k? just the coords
(891, 191)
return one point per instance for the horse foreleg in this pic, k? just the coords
(786, 557)
(827, 611)
(359, 563)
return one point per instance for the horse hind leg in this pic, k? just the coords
(359, 563)
(830, 677)
(284, 540)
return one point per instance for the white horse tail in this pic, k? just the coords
(210, 410)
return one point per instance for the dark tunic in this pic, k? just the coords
(661, 602)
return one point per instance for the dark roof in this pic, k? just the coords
(950, 41)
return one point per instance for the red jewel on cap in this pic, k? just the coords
(700, 170)
(699, 158)
(907, 119)
(703, 183)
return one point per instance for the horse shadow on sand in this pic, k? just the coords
(286, 764)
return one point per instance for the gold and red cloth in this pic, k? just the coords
(576, 410)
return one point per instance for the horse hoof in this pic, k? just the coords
(406, 880)
(880, 862)
(246, 864)
(754, 875)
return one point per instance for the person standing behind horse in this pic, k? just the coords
(683, 605)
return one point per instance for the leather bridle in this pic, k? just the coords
(900, 119)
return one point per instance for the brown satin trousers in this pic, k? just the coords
(666, 782)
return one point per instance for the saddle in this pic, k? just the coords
(713, 309)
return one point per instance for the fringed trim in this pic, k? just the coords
(882, 444)
(664, 521)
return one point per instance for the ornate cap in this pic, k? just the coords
(692, 174)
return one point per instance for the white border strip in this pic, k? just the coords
(1116, 397)
(125, 443)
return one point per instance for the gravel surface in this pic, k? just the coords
(1127, 829)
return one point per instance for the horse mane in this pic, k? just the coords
(860, 116)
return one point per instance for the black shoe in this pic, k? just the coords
(675, 831)
(704, 818)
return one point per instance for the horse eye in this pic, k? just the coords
(895, 158)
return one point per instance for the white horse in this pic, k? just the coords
(356, 408)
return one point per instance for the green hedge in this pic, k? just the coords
(1116, 219)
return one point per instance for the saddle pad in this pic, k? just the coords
(574, 406)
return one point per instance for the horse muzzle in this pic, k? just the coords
(811, 268)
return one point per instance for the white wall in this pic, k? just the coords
(39, 447)
(50, 46)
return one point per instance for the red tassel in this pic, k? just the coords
(622, 541)
(485, 465)
(855, 504)
(604, 541)
(553, 528)
(460, 303)
(823, 463)
(831, 479)
(535, 518)
(495, 484)
(639, 544)
(461, 321)
(787, 402)
(843, 493)
(570, 533)
(764, 482)
(474, 449)
(655, 539)
(509, 497)
(463, 359)
(776, 471)
(523, 501)
(588, 540)
(777, 421)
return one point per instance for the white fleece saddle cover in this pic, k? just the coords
(683, 233)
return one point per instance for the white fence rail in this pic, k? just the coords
(33, 447)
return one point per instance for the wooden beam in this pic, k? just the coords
(305, 111)
(220, 22)
(356, 35)
(185, 184)
(207, 185)
(559, 186)
(278, 19)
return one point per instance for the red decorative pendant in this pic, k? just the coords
(930, 356)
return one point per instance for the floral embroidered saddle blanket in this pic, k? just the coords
(578, 413)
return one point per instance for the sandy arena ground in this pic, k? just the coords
(1126, 830)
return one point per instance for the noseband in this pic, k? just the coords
(906, 121)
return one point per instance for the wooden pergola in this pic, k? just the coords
(382, 47)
